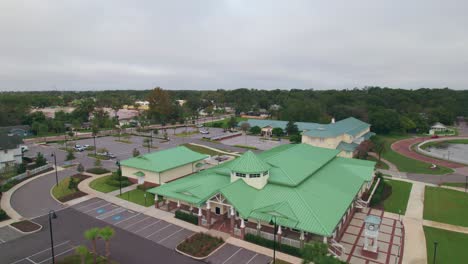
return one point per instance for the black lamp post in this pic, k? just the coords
(274, 238)
(120, 176)
(55, 163)
(95, 150)
(435, 252)
(52, 215)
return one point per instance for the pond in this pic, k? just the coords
(453, 152)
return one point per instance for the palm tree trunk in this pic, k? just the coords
(108, 252)
(94, 252)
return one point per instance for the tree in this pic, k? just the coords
(296, 138)
(40, 160)
(291, 128)
(73, 184)
(232, 122)
(160, 105)
(277, 131)
(135, 152)
(384, 120)
(92, 235)
(80, 168)
(106, 233)
(70, 155)
(97, 162)
(363, 149)
(378, 145)
(255, 130)
(83, 252)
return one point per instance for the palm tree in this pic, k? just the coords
(106, 233)
(92, 235)
(83, 252)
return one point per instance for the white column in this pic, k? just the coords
(279, 230)
(232, 211)
(208, 205)
(178, 204)
(301, 237)
(191, 208)
(242, 225)
(259, 226)
(199, 211)
(325, 240)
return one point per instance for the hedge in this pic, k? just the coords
(7, 186)
(3, 215)
(294, 251)
(97, 170)
(186, 217)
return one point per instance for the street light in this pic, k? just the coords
(52, 215)
(435, 252)
(120, 176)
(55, 163)
(274, 238)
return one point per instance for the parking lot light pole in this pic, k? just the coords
(120, 175)
(55, 163)
(52, 215)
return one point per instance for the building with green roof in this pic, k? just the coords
(308, 191)
(345, 135)
(162, 166)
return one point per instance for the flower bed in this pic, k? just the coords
(26, 226)
(200, 245)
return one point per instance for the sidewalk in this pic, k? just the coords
(415, 239)
(391, 166)
(169, 217)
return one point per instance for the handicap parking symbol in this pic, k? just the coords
(116, 218)
(100, 211)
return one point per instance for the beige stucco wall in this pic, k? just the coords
(165, 176)
(333, 142)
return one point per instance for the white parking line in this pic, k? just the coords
(121, 221)
(256, 254)
(30, 260)
(232, 255)
(59, 254)
(97, 208)
(86, 205)
(111, 213)
(27, 258)
(158, 231)
(147, 226)
(170, 235)
(1, 240)
(137, 222)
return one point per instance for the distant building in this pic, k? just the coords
(344, 135)
(162, 166)
(49, 112)
(10, 150)
(181, 102)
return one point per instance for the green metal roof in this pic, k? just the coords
(281, 124)
(249, 163)
(350, 147)
(309, 188)
(350, 126)
(139, 174)
(164, 160)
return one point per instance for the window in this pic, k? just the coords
(255, 175)
(242, 175)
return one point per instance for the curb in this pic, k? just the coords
(31, 232)
(198, 258)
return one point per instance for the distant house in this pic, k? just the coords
(344, 135)
(162, 166)
(10, 150)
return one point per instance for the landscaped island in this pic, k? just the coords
(200, 245)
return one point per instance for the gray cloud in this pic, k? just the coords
(210, 44)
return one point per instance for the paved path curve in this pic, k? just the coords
(33, 199)
(404, 148)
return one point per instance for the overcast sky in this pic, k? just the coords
(97, 44)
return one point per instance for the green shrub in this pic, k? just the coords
(21, 168)
(295, 138)
(7, 186)
(186, 217)
(97, 170)
(294, 251)
(382, 191)
(3, 215)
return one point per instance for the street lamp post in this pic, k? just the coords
(52, 215)
(274, 238)
(435, 252)
(120, 176)
(55, 164)
(95, 150)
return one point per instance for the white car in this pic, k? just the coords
(79, 148)
(204, 132)
(24, 149)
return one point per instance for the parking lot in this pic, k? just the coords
(161, 232)
(43, 256)
(254, 141)
(7, 233)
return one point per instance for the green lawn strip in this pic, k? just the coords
(452, 246)
(101, 157)
(380, 164)
(62, 189)
(455, 184)
(446, 206)
(406, 164)
(246, 147)
(187, 134)
(138, 196)
(398, 200)
(224, 122)
(102, 184)
(202, 150)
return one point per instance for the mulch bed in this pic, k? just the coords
(81, 177)
(26, 226)
(200, 245)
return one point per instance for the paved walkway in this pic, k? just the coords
(391, 166)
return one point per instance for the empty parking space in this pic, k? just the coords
(131, 221)
(230, 254)
(7, 233)
(119, 216)
(176, 238)
(165, 232)
(44, 256)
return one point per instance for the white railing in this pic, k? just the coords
(335, 248)
(28, 173)
(237, 231)
(361, 204)
(290, 242)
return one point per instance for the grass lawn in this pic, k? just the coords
(455, 184)
(138, 196)
(404, 163)
(451, 245)
(380, 165)
(102, 184)
(245, 146)
(224, 122)
(446, 206)
(62, 189)
(187, 134)
(398, 200)
(202, 150)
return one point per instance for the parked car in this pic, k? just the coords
(24, 149)
(200, 125)
(204, 132)
(79, 148)
(86, 146)
(107, 154)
